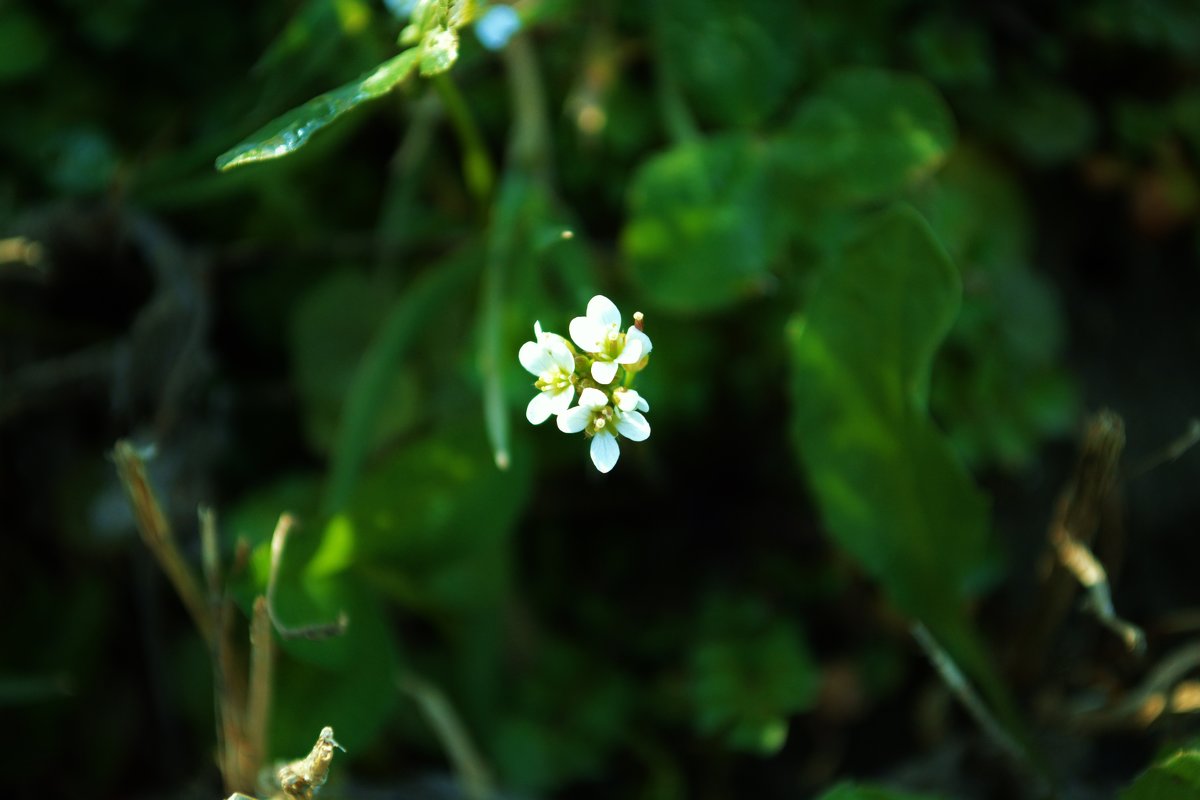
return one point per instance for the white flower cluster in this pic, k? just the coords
(600, 354)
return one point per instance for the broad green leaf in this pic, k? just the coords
(854, 791)
(1176, 778)
(291, 131)
(736, 60)
(864, 135)
(700, 236)
(402, 327)
(889, 487)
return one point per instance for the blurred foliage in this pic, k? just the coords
(836, 219)
(1174, 778)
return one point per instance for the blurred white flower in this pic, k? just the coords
(550, 359)
(599, 334)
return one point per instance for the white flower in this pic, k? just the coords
(550, 359)
(603, 423)
(599, 334)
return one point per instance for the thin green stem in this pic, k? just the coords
(530, 145)
(478, 171)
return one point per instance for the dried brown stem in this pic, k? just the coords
(1077, 518)
(156, 533)
(1162, 691)
(258, 697)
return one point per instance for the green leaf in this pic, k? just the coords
(431, 522)
(25, 46)
(347, 681)
(854, 791)
(1045, 122)
(373, 377)
(735, 59)
(952, 52)
(890, 488)
(288, 133)
(699, 236)
(864, 135)
(1176, 778)
(439, 51)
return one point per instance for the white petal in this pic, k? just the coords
(632, 425)
(561, 354)
(540, 408)
(574, 420)
(592, 399)
(588, 334)
(602, 310)
(626, 399)
(642, 405)
(534, 358)
(604, 371)
(605, 451)
(562, 400)
(631, 353)
(634, 333)
(537, 331)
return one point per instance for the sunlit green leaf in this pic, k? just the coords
(700, 234)
(291, 131)
(434, 515)
(1175, 778)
